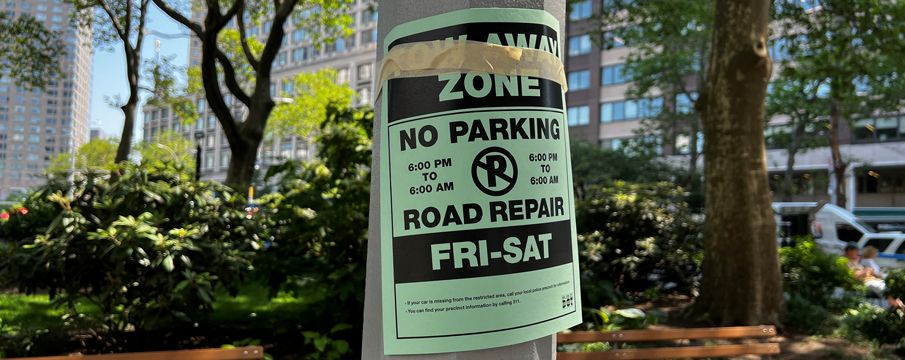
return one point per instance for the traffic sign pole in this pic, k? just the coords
(393, 13)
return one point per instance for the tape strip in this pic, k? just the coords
(428, 58)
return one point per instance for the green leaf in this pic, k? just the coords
(321, 343)
(168, 263)
(205, 296)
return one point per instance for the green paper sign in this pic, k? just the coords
(477, 218)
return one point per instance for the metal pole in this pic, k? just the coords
(72, 154)
(392, 13)
(198, 162)
(199, 138)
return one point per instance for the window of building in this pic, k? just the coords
(342, 76)
(579, 80)
(287, 86)
(364, 96)
(612, 143)
(610, 4)
(630, 109)
(887, 128)
(299, 35)
(368, 37)
(580, 10)
(684, 103)
(224, 160)
(369, 16)
(881, 181)
(611, 41)
(779, 50)
(209, 161)
(882, 129)
(613, 75)
(364, 72)
(297, 54)
(579, 45)
(683, 144)
(578, 115)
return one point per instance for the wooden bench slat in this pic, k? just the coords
(735, 332)
(243, 353)
(675, 352)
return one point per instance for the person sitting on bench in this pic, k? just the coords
(869, 275)
(868, 254)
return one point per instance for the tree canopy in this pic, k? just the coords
(669, 42)
(29, 53)
(848, 55)
(222, 28)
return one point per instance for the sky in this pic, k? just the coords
(109, 71)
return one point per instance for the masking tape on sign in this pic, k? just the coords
(427, 58)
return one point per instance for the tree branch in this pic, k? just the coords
(143, 14)
(243, 39)
(114, 20)
(229, 77)
(212, 90)
(175, 15)
(128, 28)
(275, 38)
(233, 10)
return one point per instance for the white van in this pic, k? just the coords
(834, 227)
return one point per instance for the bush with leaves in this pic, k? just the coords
(813, 275)
(869, 322)
(895, 283)
(145, 247)
(634, 238)
(317, 224)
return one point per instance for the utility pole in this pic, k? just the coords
(392, 14)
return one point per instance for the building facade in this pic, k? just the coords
(599, 111)
(35, 125)
(353, 58)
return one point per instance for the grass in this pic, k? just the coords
(19, 311)
(253, 309)
(250, 309)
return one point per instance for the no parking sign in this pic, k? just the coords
(477, 235)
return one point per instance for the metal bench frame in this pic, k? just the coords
(672, 352)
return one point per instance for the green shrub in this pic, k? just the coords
(868, 322)
(895, 283)
(144, 247)
(635, 237)
(813, 275)
(807, 317)
(622, 319)
(317, 221)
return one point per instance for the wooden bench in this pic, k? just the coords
(743, 335)
(241, 353)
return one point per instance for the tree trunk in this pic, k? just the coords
(788, 190)
(741, 282)
(125, 139)
(839, 164)
(133, 60)
(242, 164)
(693, 152)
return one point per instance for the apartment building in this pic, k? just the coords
(353, 58)
(599, 111)
(35, 125)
